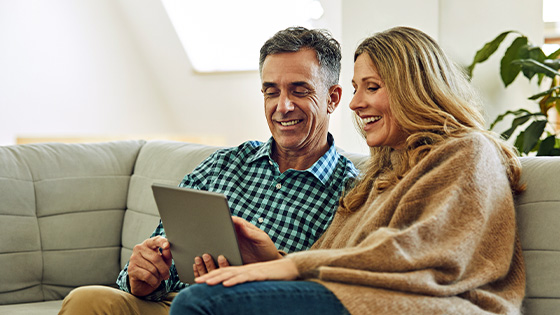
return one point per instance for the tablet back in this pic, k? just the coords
(196, 222)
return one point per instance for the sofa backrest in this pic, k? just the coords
(61, 213)
(538, 219)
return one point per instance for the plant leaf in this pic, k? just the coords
(543, 93)
(552, 99)
(554, 64)
(509, 112)
(554, 55)
(536, 53)
(536, 67)
(509, 71)
(487, 50)
(516, 123)
(519, 142)
(546, 146)
(532, 135)
(548, 103)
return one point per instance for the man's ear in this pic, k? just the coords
(335, 94)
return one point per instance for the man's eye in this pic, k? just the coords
(271, 92)
(300, 92)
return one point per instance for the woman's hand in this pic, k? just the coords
(255, 244)
(280, 269)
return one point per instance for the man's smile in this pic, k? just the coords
(290, 122)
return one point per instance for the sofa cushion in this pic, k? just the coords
(61, 216)
(36, 308)
(538, 215)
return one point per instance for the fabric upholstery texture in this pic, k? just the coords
(61, 216)
(538, 218)
(71, 213)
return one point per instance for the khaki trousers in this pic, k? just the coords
(106, 300)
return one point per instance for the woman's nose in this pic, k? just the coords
(356, 103)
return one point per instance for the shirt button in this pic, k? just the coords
(278, 186)
(261, 220)
(270, 162)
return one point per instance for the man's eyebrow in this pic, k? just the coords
(295, 84)
(269, 84)
(300, 83)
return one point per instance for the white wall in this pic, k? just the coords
(70, 68)
(467, 25)
(116, 67)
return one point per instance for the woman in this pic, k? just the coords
(430, 226)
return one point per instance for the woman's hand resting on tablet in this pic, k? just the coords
(255, 246)
(281, 269)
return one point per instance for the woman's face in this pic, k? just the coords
(371, 104)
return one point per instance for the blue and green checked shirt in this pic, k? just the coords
(294, 207)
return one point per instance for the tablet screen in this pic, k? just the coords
(196, 222)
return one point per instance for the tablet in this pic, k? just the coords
(196, 222)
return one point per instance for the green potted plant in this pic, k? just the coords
(522, 56)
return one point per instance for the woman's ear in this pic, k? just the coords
(335, 95)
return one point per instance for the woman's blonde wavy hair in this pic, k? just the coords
(431, 99)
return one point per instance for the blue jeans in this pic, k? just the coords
(266, 297)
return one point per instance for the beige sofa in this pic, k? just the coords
(70, 214)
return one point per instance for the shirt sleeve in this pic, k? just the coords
(197, 179)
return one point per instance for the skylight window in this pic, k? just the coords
(226, 35)
(551, 17)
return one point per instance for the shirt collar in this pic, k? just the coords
(263, 151)
(322, 169)
(326, 164)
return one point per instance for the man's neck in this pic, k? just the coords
(301, 159)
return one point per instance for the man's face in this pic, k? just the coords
(296, 100)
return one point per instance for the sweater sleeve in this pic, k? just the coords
(447, 227)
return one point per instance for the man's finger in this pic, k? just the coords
(166, 254)
(209, 262)
(199, 265)
(144, 271)
(222, 261)
(157, 242)
(154, 263)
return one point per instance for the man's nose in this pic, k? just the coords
(285, 104)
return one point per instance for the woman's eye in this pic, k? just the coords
(373, 88)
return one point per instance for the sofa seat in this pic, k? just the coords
(36, 308)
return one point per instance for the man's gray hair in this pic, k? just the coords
(294, 39)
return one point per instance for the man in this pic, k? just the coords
(288, 187)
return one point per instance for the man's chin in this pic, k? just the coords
(293, 143)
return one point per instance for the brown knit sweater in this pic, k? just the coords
(441, 241)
